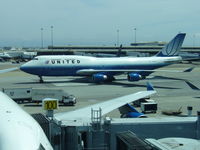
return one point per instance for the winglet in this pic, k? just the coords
(189, 69)
(149, 87)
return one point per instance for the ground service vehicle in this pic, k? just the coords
(38, 94)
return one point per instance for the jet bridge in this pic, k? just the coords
(127, 140)
(106, 133)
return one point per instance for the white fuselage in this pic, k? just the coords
(70, 65)
(18, 130)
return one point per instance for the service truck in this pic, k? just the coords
(38, 94)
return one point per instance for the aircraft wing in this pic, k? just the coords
(94, 71)
(8, 70)
(106, 107)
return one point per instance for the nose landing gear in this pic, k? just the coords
(41, 80)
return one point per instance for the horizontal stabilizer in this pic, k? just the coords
(189, 69)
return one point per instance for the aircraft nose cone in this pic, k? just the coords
(23, 68)
(29, 68)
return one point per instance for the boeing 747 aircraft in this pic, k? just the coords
(104, 69)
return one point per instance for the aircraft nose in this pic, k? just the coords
(23, 67)
(30, 68)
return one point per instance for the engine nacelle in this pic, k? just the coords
(134, 77)
(99, 77)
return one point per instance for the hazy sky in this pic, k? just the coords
(95, 22)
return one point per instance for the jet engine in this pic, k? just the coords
(134, 77)
(99, 77)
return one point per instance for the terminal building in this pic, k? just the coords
(155, 43)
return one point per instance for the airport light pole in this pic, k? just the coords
(117, 37)
(135, 35)
(194, 40)
(42, 38)
(52, 36)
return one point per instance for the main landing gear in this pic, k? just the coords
(110, 79)
(41, 80)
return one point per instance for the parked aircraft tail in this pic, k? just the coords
(128, 111)
(173, 47)
(150, 87)
(119, 52)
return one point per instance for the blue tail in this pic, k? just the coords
(173, 47)
(149, 87)
(128, 111)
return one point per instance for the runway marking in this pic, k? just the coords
(93, 100)
(57, 80)
(70, 84)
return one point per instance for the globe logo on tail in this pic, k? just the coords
(173, 47)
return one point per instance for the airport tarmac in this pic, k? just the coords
(172, 90)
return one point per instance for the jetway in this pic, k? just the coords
(105, 133)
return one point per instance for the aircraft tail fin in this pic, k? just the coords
(128, 111)
(173, 47)
(119, 52)
(149, 87)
